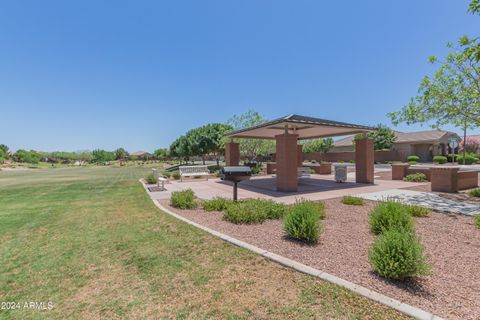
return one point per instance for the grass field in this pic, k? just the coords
(90, 241)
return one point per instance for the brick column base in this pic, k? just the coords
(399, 171)
(364, 160)
(287, 161)
(232, 154)
(299, 155)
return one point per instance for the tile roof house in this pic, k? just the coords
(424, 144)
(141, 154)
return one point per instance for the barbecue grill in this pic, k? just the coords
(236, 174)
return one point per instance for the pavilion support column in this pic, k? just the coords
(232, 154)
(287, 162)
(299, 155)
(364, 160)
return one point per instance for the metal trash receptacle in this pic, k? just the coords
(340, 172)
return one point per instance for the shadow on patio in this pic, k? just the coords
(267, 186)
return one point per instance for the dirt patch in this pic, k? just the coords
(452, 243)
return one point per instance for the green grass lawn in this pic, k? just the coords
(91, 241)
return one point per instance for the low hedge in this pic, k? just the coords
(413, 158)
(353, 201)
(418, 211)
(397, 254)
(469, 159)
(439, 159)
(390, 215)
(253, 211)
(216, 204)
(415, 177)
(183, 199)
(477, 221)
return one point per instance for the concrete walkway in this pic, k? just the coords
(425, 199)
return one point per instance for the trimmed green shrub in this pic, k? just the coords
(151, 179)
(439, 159)
(398, 255)
(353, 201)
(390, 215)
(176, 175)
(166, 174)
(477, 221)
(303, 221)
(413, 158)
(216, 204)
(474, 192)
(469, 159)
(256, 169)
(244, 212)
(415, 177)
(183, 199)
(451, 157)
(253, 211)
(418, 211)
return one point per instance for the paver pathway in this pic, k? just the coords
(426, 199)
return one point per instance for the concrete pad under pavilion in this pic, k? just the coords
(287, 131)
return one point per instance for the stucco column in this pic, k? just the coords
(232, 154)
(364, 160)
(287, 162)
(299, 155)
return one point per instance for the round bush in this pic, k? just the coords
(151, 179)
(451, 157)
(183, 199)
(303, 221)
(469, 159)
(390, 215)
(440, 159)
(176, 175)
(474, 192)
(398, 255)
(413, 158)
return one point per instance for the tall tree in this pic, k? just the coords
(383, 138)
(322, 145)
(251, 148)
(121, 154)
(161, 153)
(102, 156)
(452, 94)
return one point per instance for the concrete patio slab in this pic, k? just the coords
(317, 187)
(426, 199)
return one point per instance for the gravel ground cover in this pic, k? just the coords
(452, 243)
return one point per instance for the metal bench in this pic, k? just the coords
(193, 171)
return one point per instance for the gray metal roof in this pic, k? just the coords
(305, 127)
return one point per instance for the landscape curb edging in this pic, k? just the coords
(407, 309)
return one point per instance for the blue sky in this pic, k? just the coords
(137, 74)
